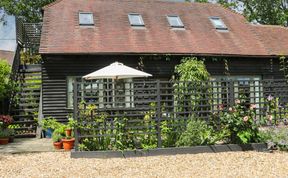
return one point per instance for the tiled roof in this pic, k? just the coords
(274, 38)
(8, 55)
(112, 33)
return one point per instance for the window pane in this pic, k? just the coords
(70, 81)
(136, 19)
(86, 19)
(175, 21)
(218, 23)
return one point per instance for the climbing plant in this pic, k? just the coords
(191, 75)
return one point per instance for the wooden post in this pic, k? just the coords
(40, 117)
(75, 113)
(158, 115)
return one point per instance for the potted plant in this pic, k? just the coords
(4, 136)
(49, 125)
(70, 127)
(68, 143)
(11, 134)
(57, 140)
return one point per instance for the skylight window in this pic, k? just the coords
(175, 21)
(218, 23)
(136, 20)
(86, 19)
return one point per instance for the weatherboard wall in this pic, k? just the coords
(56, 68)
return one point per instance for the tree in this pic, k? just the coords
(272, 12)
(5, 83)
(267, 12)
(30, 10)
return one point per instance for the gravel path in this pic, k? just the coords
(59, 164)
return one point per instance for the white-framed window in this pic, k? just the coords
(86, 18)
(218, 23)
(70, 81)
(247, 86)
(105, 93)
(135, 19)
(175, 21)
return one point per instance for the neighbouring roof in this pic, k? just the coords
(112, 33)
(8, 55)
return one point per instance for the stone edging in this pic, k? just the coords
(169, 151)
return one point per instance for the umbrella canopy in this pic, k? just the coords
(116, 70)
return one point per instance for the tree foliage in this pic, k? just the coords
(5, 84)
(30, 10)
(192, 69)
(272, 12)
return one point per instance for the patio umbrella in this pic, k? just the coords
(116, 71)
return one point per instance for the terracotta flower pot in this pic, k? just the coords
(68, 132)
(4, 141)
(11, 139)
(68, 144)
(58, 145)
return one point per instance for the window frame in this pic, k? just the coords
(217, 27)
(68, 92)
(181, 25)
(140, 18)
(102, 96)
(86, 24)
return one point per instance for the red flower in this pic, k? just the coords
(6, 120)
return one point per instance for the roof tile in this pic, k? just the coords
(112, 32)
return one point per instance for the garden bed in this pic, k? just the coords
(170, 151)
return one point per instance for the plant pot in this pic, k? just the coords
(58, 145)
(68, 144)
(68, 132)
(11, 139)
(4, 141)
(48, 133)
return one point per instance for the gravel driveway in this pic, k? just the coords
(59, 164)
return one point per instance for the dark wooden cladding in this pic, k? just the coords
(56, 68)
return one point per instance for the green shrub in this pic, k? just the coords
(4, 133)
(197, 133)
(277, 136)
(240, 120)
(51, 123)
(56, 136)
(5, 84)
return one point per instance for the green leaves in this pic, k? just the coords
(28, 9)
(197, 133)
(192, 69)
(6, 85)
(272, 12)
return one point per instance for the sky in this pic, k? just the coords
(7, 32)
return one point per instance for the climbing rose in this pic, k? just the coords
(221, 107)
(270, 98)
(245, 119)
(270, 117)
(237, 101)
(252, 106)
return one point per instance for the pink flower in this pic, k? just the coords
(237, 101)
(270, 98)
(245, 119)
(221, 107)
(252, 106)
(270, 117)
(230, 109)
